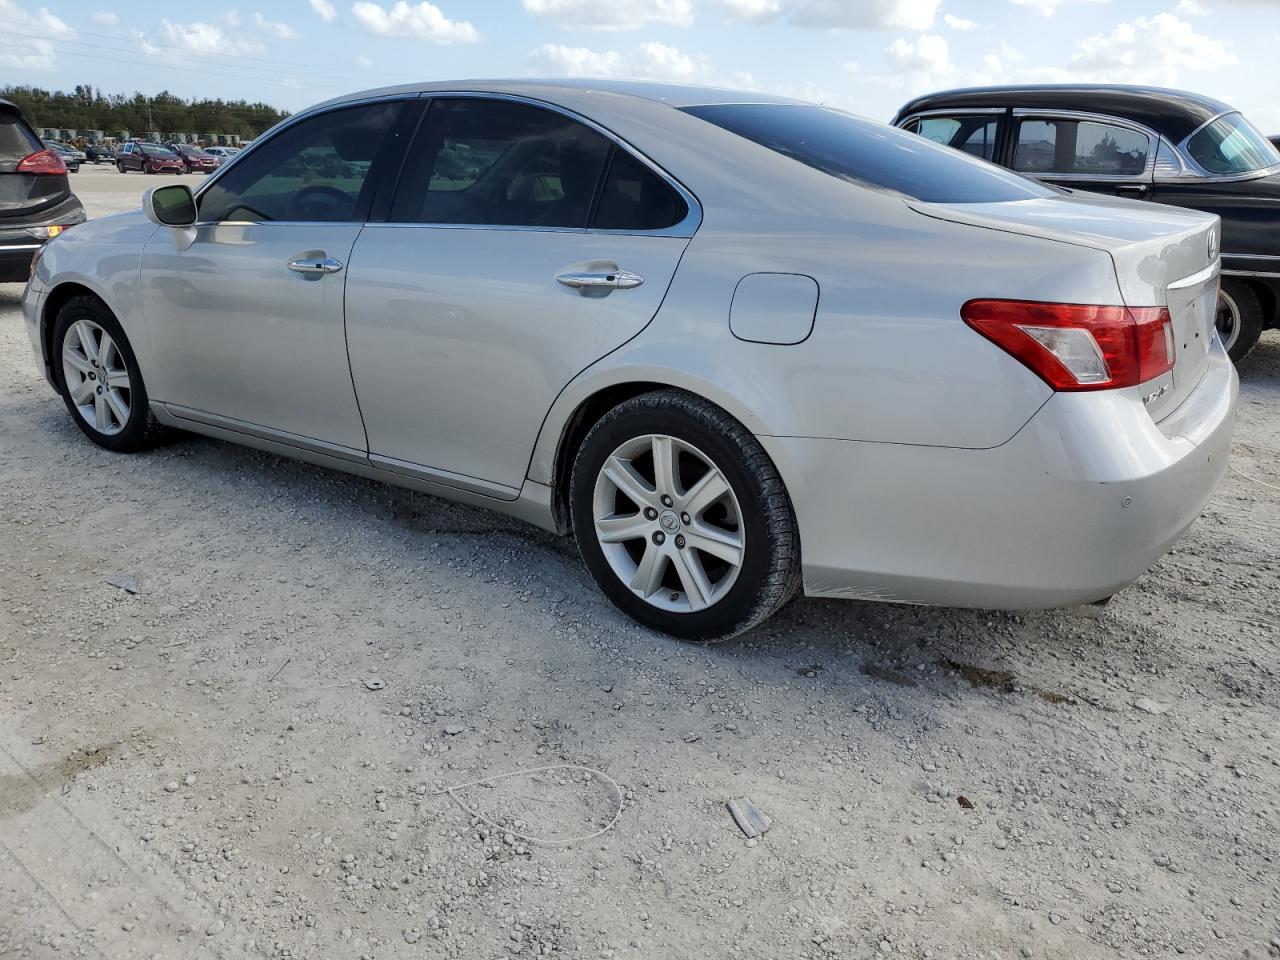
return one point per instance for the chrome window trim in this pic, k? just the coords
(960, 112)
(686, 227)
(1153, 145)
(1260, 274)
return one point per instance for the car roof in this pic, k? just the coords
(1174, 113)
(672, 94)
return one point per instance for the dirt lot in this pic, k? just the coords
(245, 758)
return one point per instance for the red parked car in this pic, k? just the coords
(194, 159)
(149, 158)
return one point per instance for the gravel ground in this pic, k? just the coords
(247, 757)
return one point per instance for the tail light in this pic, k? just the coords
(1074, 346)
(43, 162)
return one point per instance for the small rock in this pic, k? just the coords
(214, 928)
(171, 786)
(751, 820)
(412, 936)
(124, 582)
(374, 683)
(1147, 705)
(453, 729)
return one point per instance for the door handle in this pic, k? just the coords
(620, 279)
(315, 265)
(1137, 189)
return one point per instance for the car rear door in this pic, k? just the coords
(523, 245)
(976, 132)
(246, 322)
(1084, 152)
(24, 195)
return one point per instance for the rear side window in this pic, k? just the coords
(869, 153)
(1080, 148)
(1231, 145)
(976, 136)
(635, 198)
(16, 140)
(496, 162)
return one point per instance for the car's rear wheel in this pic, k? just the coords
(1239, 318)
(682, 518)
(99, 378)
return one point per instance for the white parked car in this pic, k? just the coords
(738, 345)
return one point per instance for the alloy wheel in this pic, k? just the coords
(96, 377)
(1227, 319)
(668, 523)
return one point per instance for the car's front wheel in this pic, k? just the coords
(120, 167)
(1239, 318)
(99, 378)
(682, 518)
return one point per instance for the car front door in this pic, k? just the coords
(246, 323)
(522, 246)
(1083, 152)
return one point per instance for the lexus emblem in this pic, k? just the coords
(1213, 244)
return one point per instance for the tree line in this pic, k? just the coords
(86, 108)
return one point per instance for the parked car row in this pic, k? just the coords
(740, 346)
(1143, 143)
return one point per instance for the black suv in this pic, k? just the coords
(1142, 142)
(36, 201)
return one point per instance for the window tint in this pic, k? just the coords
(316, 170)
(496, 162)
(636, 198)
(16, 141)
(976, 136)
(1231, 145)
(1080, 147)
(863, 151)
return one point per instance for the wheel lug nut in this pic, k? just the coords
(684, 518)
(659, 537)
(680, 542)
(666, 501)
(650, 513)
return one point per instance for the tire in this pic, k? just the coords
(1239, 318)
(139, 430)
(685, 590)
(120, 167)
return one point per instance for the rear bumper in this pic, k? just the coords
(17, 246)
(1082, 501)
(15, 260)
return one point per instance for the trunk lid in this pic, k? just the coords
(24, 194)
(1163, 256)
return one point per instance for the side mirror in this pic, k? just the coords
(171, 206)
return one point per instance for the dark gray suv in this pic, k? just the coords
(36, 201)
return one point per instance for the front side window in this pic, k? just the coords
(1080, 148)
(316, 170)
(976, 136)
(869, 153)
(497, 162)
(1231, 145)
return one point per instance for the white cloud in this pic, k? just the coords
(647, 61)
(31, 54)
(752, 10)
(424, 20)
(1191, 8)
(928, 54)
(960, 23)
(363, 62)
(1048, 8)
(866, 14)
(623, 15)
(203, 38)
(324, 9)
(1148, 50)
(281, 30)
(12, 15)
(107, 18)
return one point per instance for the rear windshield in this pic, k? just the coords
(16, 141)
(870, 153)
(1230, 144)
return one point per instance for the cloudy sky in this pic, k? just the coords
(864, 55)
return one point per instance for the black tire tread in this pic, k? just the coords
(783, 575)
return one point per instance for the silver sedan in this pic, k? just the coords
(740, 346)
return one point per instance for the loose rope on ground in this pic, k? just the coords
(529, 771)
(1241, 473)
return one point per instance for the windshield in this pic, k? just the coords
(155, 151)
(1230, 144)
(870, 153)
